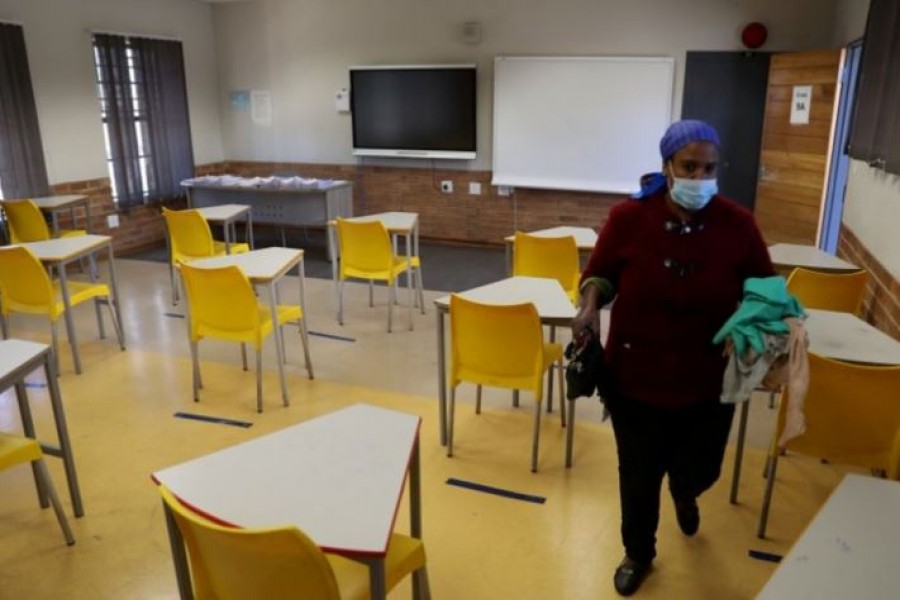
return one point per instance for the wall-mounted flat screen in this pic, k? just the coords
(423, 111)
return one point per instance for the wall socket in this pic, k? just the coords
(447, 186)
(112, 221)
(474, 188)
(504, 190)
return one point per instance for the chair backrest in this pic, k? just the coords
(842, 292)
(496, 345)
(26, 222)
(221, 303)
(549, 257)
(364, 245)
(230, 563)
(852, 415)
(189, 234)
(24, 283)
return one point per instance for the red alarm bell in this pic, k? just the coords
(754, 35)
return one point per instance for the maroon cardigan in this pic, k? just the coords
(676, 284)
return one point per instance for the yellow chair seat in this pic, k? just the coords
(398, 265)
(405, 555)
(65, 233)
(286, 312)
(552, 352)
(15, 450)
(79, 291)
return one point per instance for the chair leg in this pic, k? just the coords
(421, 589)
(371, 294)
(419, 287)
(392, 292)
(478, 399)
(304, 335)
(4, 328)
(174, 281)
(54, 500)
(536, 436)
(259, 406)
(341, 302)
(244, 355)
(409, 295)
(767, 499)
(570, 432)
(115, 322)
(100, 329)
(451, 418)
(281, 378)
(195, 371)
(54, 344)
(562, 392)
(772, 399)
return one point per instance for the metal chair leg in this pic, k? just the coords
(451, 418)
(478, 399)
(767, 499)
(54, 500)
(535, 436)
(570, 432)
(259, 406)
(195, 371)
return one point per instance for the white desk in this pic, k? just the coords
(585, 240)
(850, 548)
(339, 478)
(550, 300)
(265, 268)
(19, 358)
(839, 336)
(57, 253)
(227, 216)
(55, 204)
(808, 257)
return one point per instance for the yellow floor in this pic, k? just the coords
(479, 545)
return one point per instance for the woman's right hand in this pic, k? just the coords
(587, 317)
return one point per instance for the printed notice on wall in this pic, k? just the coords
(800, 102)
(261, 107)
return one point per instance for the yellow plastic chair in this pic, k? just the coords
(222, 305)
(26, 222)
(25, 287)
(548, 257)
(189, 239)
(841, 292)
(500, 346)
(852, 417)
(17, 450)
(366, 253)
(232, 563)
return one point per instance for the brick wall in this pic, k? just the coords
(458, 216)
(881, 304)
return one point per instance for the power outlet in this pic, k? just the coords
(447, 186)
(504, 190)
(474, 188)
(112, 221)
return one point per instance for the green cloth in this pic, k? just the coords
(766, 303)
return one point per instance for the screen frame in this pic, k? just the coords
(411, 152)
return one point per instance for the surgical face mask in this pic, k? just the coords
(692, 194)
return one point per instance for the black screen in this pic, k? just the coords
(428, 108)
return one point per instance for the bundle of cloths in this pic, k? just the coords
(769, 346)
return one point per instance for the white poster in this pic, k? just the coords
(800, 103)
(261, 107)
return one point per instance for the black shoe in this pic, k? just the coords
(688, 515)
(630, 574)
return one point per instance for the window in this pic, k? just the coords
(22, 169)
(143, 108)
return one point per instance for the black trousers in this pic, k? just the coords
(687, 444)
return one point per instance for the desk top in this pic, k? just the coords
(850, 548)
(585, 237)
(54, 202)
(15, 354)
(547, 295)
(67, 248)
(338, 477)
(223, 212)
(844, 336)
(395, 222)
(808, 257)
(260, 266)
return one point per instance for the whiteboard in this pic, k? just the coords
(590, 123)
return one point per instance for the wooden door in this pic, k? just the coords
(794, 158)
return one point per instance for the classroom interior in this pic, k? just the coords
(121, 408)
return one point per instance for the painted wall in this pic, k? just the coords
(58, 40)
(872, 203)
(301, 52)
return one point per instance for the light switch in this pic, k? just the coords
(342, 100)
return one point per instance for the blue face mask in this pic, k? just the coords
(692, 194)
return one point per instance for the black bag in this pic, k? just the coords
(586, 372)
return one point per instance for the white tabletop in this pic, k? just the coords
(547, 295)
(67, 248)
(808, 257)
(585, 237)
(16, 353)
(339, 478)
(850, 548)
(395, 222)
(53, 202)
(844, 336)
(259, 266)
(223, 212)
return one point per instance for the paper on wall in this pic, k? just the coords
(261, 107)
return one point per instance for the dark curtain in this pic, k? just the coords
(117, 100)
(160, 65)
(23, 172)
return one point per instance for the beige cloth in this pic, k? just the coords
(793, 371)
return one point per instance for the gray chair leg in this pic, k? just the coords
(244, 355)
(115, 322)
(419, 287)
(259, 405)
(341, 302)
(560, 376)
(305, 337)
(451, 417)
(570, 432)
(54, 500)
(391, 295)
(100, 329)
(767, 499)
(195, 371)
(174, 281)
(536, 436)
(421, 589)
(54, 344)
(371, 294)
(478, 399)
